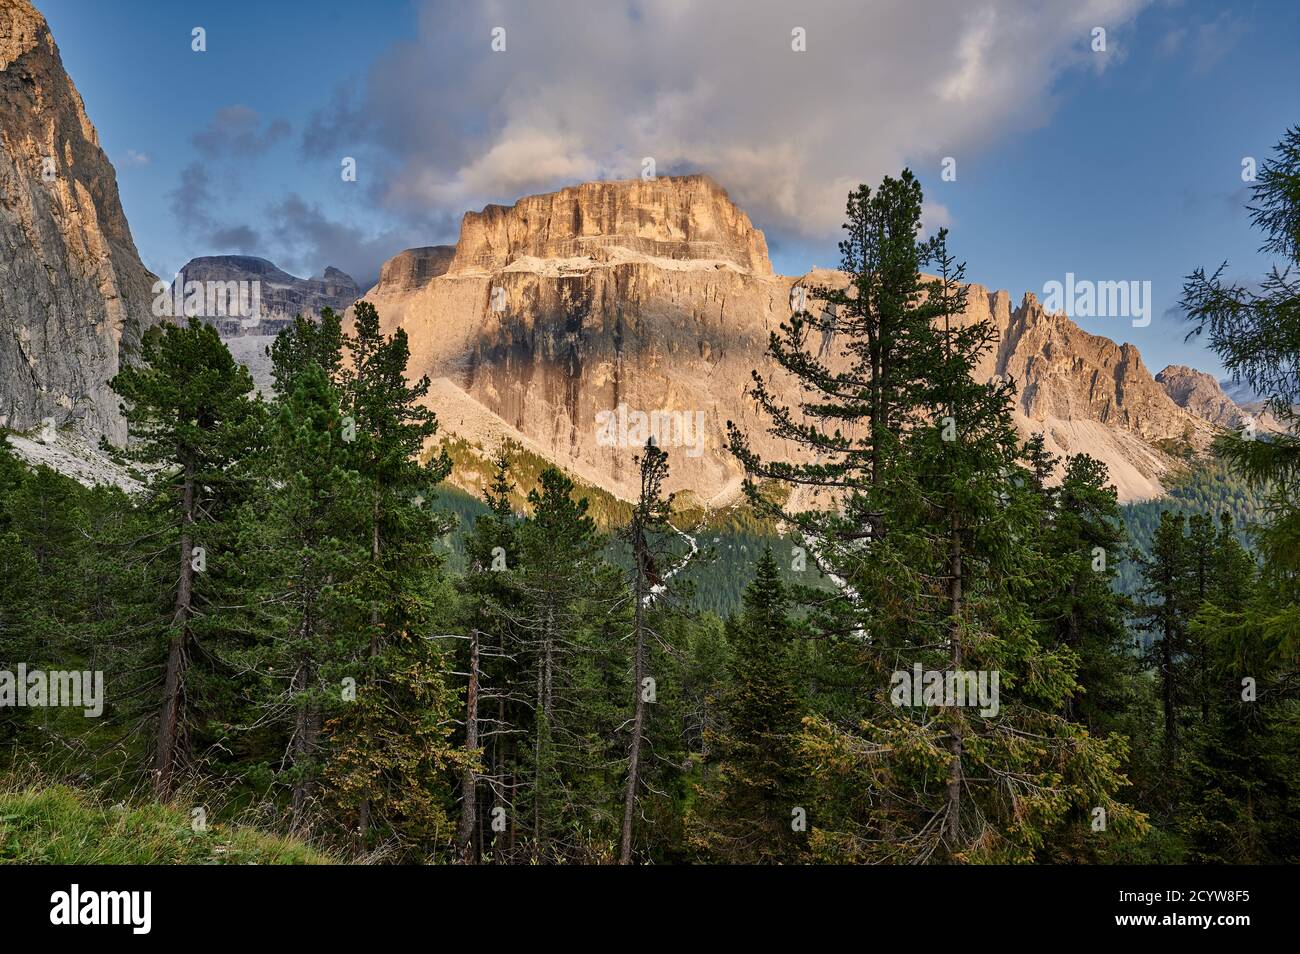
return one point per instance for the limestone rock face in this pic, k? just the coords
(681, 217)
(1087, 394)
(659, 297)
(1199, 393)
(281, 295)
(74, 295)
(411, 269)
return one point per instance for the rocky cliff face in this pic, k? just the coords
(1087, 394)
(74, 296)
(679, 218)
(413, 268)
(652, 297)
(1199, 393)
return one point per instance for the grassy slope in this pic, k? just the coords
(60, 825)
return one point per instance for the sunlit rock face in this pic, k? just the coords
(74, 295)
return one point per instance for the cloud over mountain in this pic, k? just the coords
(588, 91)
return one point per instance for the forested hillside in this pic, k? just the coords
(1210, 488)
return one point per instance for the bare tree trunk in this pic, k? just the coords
(545, 714)
(638, 718)
(514, 799)
(169, 716)
(499, 750)
(1169, 698)
(955, 741)
(469, 779)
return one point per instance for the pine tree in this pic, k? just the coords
(190, 421)
(932, 545)
(1083, 543)
(745, 813)
(1245, 769)
(489, 601)
(1169, 603)
(564, 584)
(1256, 330)
(649, 520)
(390, 770)
(301, 544)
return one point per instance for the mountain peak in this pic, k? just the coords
(1199, 393)
(684, 218)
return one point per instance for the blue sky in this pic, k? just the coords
(1115, 165)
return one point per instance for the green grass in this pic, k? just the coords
(57, 825)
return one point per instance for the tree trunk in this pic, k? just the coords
(499, 753)
(638, 697)
(955, 741)
(1168, 697)
(307, 728)
(169, 717)
(469, 779)
(363, 820)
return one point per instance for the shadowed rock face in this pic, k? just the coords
(659, 297)
(74, 296)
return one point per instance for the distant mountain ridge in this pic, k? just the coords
(280, 295)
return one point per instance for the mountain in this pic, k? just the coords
(1201, 394)
(658, 296)
(250, 300)
(1204, 396)
(574, 323)
(271, 297)
(74, 295)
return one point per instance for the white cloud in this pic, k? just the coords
(586, 90)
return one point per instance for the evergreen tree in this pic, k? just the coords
(191, 422)
(391, 770)
(1244, 767)
(564, 585)
(1256, 331)
(1082, 544)
(1169, 602)
(302, 543)
(932, 543)
(489, 603)
(649, 521)
(745, 813)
